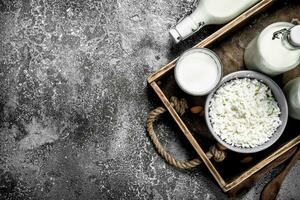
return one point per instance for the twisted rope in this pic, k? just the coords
(216, 151)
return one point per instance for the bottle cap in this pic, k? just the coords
(184, 29)
(295, 35)
(174, 33)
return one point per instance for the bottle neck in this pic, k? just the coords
(284, 35)
(200, 17)
(187, 27)
(288, 44)
(190, 24)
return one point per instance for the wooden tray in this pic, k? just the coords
(230, 174)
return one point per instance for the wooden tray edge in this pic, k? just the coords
(249, 182)
(259, 166)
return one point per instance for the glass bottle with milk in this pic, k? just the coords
(209, 12)
(275, 50)
(292, 92)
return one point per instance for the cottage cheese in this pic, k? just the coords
(244, 113)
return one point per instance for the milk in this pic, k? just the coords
(220, 12)
(272, 56)
(198, 71)
(209, 12)
(292, 92)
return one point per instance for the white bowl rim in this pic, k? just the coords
(278, 95)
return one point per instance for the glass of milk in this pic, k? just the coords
(292, 92)
(198, 71)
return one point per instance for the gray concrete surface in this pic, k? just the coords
(74, 100)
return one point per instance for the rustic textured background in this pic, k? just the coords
(74, 99)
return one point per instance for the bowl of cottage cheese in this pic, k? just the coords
(247, 112)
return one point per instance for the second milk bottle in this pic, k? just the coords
(275, 50)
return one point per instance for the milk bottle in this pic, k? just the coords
(292, 92)
(275, 50)
(209, 12)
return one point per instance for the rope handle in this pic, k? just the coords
(216, 151)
